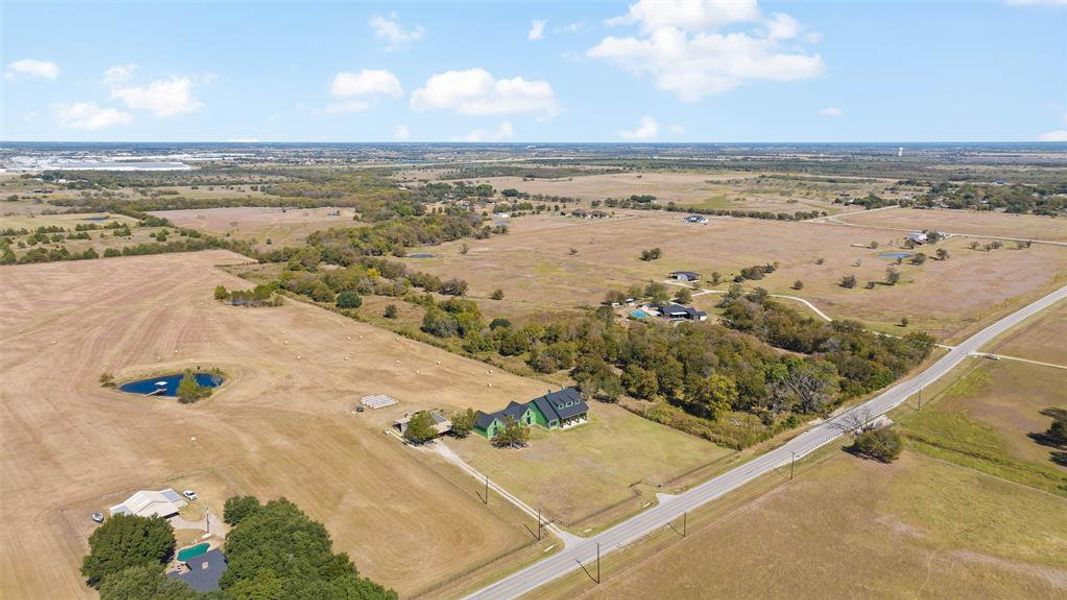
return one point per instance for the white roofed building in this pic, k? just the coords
(148, 503)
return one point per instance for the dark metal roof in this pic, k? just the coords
(204, 571)
(483, 420)
(689, 274)
(564, 404)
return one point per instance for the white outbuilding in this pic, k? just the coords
(148, 503)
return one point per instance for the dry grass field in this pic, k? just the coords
(28, 218)
(535, 268)
(575, 476)
(964, 221)
(1042, 338)
(714, 190)
(281, 226)
(848, 528)
(984, 417)
(281, 425)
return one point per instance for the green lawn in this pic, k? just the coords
(596, 473)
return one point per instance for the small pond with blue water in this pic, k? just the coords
(169, 384)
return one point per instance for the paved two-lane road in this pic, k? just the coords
(575, 555)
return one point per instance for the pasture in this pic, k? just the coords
(1041, 338)
(282, 425)
(282, 226)
(969, 222)
(847, 527)
(712, 190)
(548, 263)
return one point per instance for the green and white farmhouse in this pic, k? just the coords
(554, 410)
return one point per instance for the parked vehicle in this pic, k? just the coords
(190, 494)
(97, 516)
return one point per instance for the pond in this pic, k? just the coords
(895, 255)
(169, 384)
(420, 255)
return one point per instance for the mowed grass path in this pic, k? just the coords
(590, 475)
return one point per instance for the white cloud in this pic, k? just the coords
(390, 29)
(832, 111)
(647, 128)
(572, 27)
(504, 132)
(537, 29)
(118, 74)
(690, 15)
(677, 129)
(477, 92)
(681, 48)
(33, 68)
(401, 132)
(163, 97)
(366, 84)
(1059, 135)
(782, 27)
(86, 115)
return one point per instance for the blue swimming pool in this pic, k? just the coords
(169, 383)
(639, 314)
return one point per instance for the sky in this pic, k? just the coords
(682, 71)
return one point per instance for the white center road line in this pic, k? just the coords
(657, 517)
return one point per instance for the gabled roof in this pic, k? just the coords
(689, 274)
(148, 503)
(563, 404)
(514, 410)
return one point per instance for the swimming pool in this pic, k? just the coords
(169, 384)
(192, 551)
(639, 314)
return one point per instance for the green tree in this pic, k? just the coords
(390, 311)
(640, 382)
(221, 293)
(280, 544)
(125, 541)
(144, 582)
(498, 294)
(420, 428)
(513, 435)
(798, 285)
(882, 444)
(942, 254)
(349, 300)
(892, 276)
(463, 422)
(684, 296)
(237, 508)
(189, 389)
(848, 281)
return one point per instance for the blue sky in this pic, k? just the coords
(647, 70)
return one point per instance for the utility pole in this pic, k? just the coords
(487, 489)
(598, 563)
(539, 524)
(920, 396)
(685, 519)
(792, 466)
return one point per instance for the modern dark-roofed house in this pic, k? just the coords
(552, 411)
(202, 573)
(679, 312)
(685, 275)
